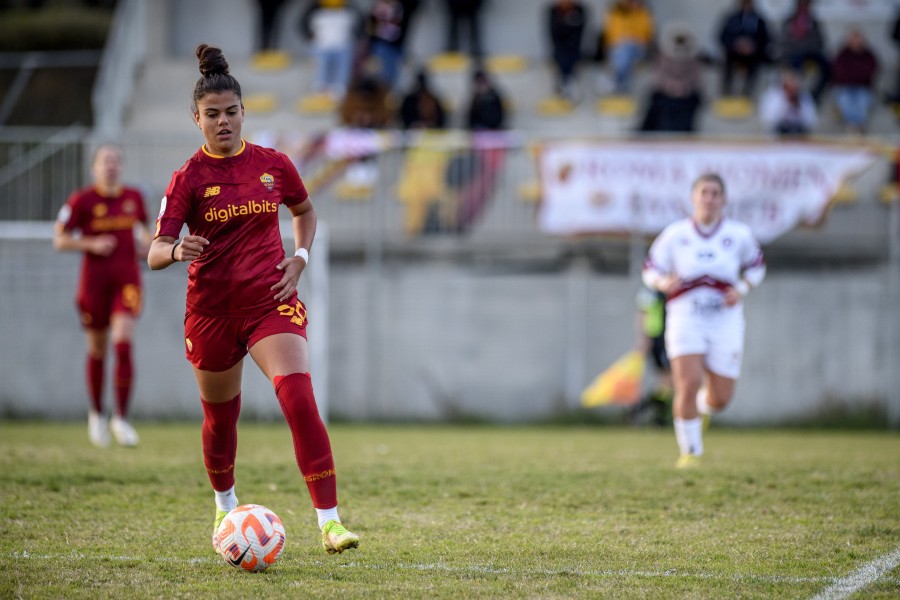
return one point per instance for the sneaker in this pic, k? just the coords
(336, 538)
(97, 429)
(123, 432)
(687, 461)
(220, 514)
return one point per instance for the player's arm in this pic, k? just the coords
(144, 238)
(165, 250)
(753, 271)
(304, 224)
(66, 240)
(655, 274)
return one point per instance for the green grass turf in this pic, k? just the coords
(457, 512)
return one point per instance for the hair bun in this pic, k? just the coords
(212, 61)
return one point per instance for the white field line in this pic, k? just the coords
(490, 570)
(865, 575)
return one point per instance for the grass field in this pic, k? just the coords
(461, 512)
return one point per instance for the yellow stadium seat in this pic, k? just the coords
(448, 62)
(316, 104)
(530, 192)
(555, 106)
(733, 108)
(506, 63)
(271, 60)
(260, 103)
(616, 106)
(890, 193)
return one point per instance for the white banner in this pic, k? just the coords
(623, 187)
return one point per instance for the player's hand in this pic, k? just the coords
(669, 284)
(287, 285)
(191, 247)
(102, 245)
(732, 296)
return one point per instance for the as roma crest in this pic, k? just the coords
(268, 181)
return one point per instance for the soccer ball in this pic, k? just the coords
(251, 537)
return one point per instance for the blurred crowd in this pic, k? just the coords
(360, 48)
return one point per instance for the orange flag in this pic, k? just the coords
(619, 384)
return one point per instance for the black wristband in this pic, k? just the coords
(175, 245)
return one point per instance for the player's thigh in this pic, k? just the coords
(281, 354)
(122, 326)
(219, 386)
(277, 340)
(687, 372)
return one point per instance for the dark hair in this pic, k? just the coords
(214, 75)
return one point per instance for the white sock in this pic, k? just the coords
(702, 405)
(327, 514)
(226, 500)
(689, 435)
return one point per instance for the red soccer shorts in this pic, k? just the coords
(100, 295)
(218, 343)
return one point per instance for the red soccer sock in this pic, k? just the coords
(312, 448)
(220, 441)
(94, 368)
(124, 376)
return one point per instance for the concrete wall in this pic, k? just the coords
(437, 340)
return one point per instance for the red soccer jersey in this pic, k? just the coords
(93, 213)
(232, 202)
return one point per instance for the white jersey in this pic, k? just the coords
(707, 263)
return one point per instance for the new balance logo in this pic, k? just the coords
(212, 191)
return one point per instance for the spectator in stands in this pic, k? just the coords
(786, 107)
(332, 26)
(468, 11)
(853, 76)
(802, 42)
(268, 11)
(99, 221)
(566, 28)
(486, 110)
(745, 41)
(422, 108)
(677, 91)
(367, 103)
(628, 33)
(387, 27)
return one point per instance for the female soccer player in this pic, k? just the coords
(242, 290)
(705, 265)
(104, 215)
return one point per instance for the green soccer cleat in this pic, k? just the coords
(336, 538)
(220, 515)
(687, 461)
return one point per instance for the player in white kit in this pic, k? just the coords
(705, 265)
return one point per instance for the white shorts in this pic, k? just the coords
(718, 336)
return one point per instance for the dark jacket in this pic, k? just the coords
(749, 24)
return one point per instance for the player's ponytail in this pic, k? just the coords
(215, 77)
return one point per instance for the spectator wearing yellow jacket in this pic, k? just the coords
(628, 32)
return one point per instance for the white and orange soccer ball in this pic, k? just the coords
(251, 537)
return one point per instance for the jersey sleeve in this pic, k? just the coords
(69, 214)
(753, 264)
(294, 190)
(175, 207)
(659, 260)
